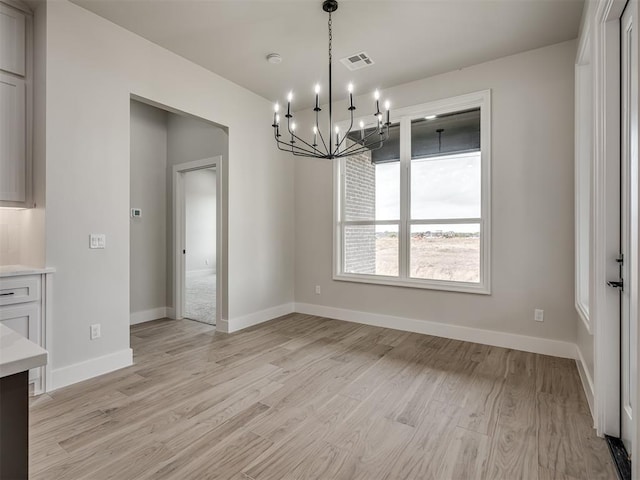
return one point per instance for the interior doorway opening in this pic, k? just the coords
(161, 140)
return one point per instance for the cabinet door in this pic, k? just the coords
(24, 319)
(13, 148)
(12, 40)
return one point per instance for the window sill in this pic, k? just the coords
(441, 285)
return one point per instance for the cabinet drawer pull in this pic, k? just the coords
(7, 294)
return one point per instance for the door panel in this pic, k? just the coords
(629, 220)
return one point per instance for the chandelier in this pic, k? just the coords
(337, 144)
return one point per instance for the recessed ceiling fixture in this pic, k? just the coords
(372, 137)
(274, 58)
(430, 117)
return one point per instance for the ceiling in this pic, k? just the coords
(407, 40)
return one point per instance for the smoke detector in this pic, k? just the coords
(274, 58)
(357, 61)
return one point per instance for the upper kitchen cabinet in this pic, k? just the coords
(16, 79)
(13, 40)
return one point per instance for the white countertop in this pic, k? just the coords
(15, 270)
(17, 354)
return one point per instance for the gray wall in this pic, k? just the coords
(148, 234)
(532, 204)
(200, 219)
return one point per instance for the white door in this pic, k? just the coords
(629, 219)
(200, 203)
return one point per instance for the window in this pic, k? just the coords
(583, 178)
(416, 211)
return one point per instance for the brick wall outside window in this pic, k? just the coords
(360, 204)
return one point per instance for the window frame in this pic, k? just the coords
(404, 116)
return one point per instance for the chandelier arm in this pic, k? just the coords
(303, 141)
(363, 149)
(363, 142)
(292, 148)
(373, 146)
(323, 142)
(294, 136)
(346, 133)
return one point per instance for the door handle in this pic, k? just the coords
(7, 294)
(616, 284)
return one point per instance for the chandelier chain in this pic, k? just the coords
(330, 37)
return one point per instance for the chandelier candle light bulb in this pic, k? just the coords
(349, 144)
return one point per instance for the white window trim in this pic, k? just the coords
(584, 129)
(480, 99)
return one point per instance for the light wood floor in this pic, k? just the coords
(304, 397)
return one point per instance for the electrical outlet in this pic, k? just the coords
(318, 291)
(95, 331)
(538, 315)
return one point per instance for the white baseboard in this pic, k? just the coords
(545, 346)
(587, 381)
(61, 377)
(148, 315)
(235, 324)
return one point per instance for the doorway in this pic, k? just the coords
(197, 239)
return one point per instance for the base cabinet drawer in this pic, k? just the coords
(19, 289)
(24, 319)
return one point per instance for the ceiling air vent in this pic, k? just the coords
(357, 61)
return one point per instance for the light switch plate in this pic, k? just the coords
(95, 331)
(97, 240)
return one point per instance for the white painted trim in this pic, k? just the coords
(64, 376)
(545, 346)
(148, 315)
(235, 324)
(587, 381)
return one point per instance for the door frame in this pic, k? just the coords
(179, 231)
(606, 221)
